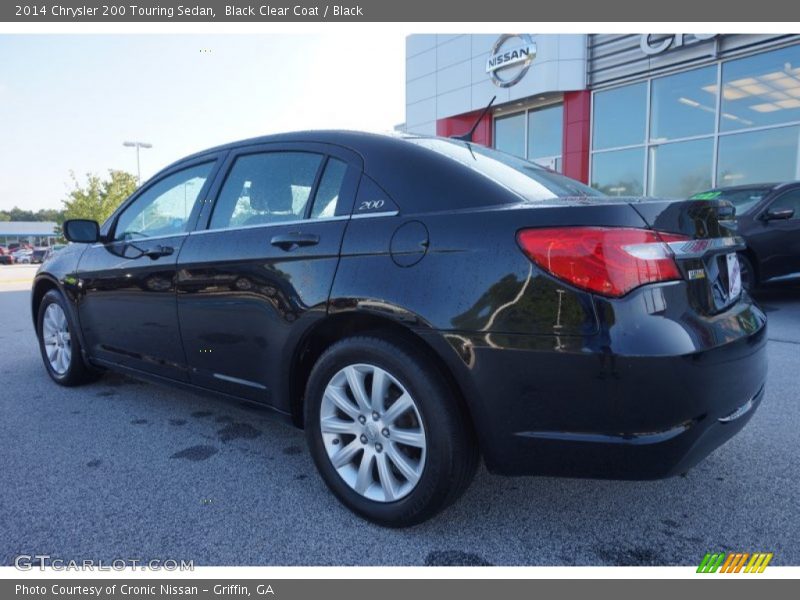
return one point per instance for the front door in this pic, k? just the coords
(777, 242)
(127, 306)
(262, 269)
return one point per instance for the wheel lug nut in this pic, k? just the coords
(336, 441)
(363, 439)
(375, 416)
(379, 447)
(385, 432)
(362, 419)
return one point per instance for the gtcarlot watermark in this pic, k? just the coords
(28, 562)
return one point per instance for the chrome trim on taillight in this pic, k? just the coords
(701, 247)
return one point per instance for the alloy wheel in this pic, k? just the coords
(56, 338)
(373, 432)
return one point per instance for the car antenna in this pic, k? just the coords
(467, 137)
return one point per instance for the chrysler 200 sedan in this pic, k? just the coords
(416, 305)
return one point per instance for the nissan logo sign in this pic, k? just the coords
(510, 58)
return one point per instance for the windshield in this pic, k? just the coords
(526, 179)
(742, 198)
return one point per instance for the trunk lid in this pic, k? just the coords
(708, 260)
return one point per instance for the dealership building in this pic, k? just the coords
(666, 115)
(37, 233)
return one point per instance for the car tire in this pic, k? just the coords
(749, 276)
(59, 346)
(385, 480)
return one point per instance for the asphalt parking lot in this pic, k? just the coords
(125, 469)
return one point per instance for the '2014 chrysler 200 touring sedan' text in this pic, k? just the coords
(417, 303)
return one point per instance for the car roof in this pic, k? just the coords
(425, 179)
(361, 142)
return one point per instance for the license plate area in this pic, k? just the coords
(734, 276)
(711, 267)
(726, 279)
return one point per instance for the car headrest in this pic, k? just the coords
(273, 199)
(282, 200)
(258, 196)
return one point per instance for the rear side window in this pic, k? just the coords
(330, 186)
(266, 188)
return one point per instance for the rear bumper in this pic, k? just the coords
(648, 455)
(589, 407)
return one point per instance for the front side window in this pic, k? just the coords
(266, 188)
(164, 208)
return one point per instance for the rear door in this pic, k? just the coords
(777, 242)
(259, 268)
(128, 308)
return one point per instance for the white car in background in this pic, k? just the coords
(23, 256)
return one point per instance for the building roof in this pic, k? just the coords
(27, 228)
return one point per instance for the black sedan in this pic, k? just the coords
(768, 217)
(417, 304)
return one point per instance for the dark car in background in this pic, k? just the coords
(768, 218)
(417, 304)
(39, 255)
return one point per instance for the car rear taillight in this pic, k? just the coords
(605, 260)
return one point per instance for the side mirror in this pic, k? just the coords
(81, 231)
(779, 214)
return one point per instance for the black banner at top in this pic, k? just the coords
(408, 10)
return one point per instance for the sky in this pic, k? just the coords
(68, 102)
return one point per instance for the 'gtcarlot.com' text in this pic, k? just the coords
(28, 562)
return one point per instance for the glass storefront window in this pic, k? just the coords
(753, 123)
(619, 173)
(681, 169)
(545, 132)
(683, 105)
(619, 116)
(758, 157)
(761, 90)
(509, 134)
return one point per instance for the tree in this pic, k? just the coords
(44, 214)
(97, 198)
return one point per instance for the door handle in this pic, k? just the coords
(158, 251)
(290, 241)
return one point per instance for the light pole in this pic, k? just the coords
(618, 190)
(137, 145)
